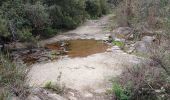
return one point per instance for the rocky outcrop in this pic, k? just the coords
(122, 33)
(42, 94)
(144, 44)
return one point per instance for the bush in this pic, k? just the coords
(67, 13)
(49, 32)
(145, 13)
(12, 79)
(3, 27)
(120, 93)
(96, 8)
(118, 43)
(145, 82)
(42, 15)
(37, 15)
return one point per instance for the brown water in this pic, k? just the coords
(72, 48)
(80, 47)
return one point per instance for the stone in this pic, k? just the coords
(148, 39)
(33, 97)
(55, 96)
(144, 45)
(100, 91)
(72, 98)
(120, 39)
(131, 50)
(88, 95)
(14, 98)
(37, 93)
(140, 46)
(19, 45)
(122, 32)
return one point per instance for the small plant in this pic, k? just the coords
(58, 88)
(118, 43)
(120, 92)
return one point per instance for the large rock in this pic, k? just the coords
(144, 45)
(122, 32)
(42, 94)
(148, 39)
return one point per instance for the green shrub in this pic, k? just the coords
(4, 28)
(118, 43)
(67, 13)
(37, 15)
(49, 32)
(143, 82)
(96, 8)
(25, 34)
(43, 16)
(120, 93)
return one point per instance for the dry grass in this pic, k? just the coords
(12, 79)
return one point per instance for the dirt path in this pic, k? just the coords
(90, 75)
(92, 29)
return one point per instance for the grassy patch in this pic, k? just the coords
(120, 92)
(12, 79)
(118, 43)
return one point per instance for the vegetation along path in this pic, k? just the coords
(87, 77)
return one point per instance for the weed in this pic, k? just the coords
(12, 79)
(57, 88)
(118, 43)
(120, 92)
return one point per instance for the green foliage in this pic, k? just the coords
(4, 28)
(25, 34)
(96, 8)
(142, 82)
(42, 16)
(118, 43)
(49, 32)
(37, 15)
(67, 13)
(120, 93)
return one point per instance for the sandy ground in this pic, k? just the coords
(88, 75)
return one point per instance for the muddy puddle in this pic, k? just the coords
(80, 47)
(70, 48)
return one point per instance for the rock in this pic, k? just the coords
(131, 50)
(144, 45)
(14, 98)
(19, 45)
(140, 46)
(108, 38)
(148, 39)
(88, 95)
(120, 39)
(33, 97)
(72, 98)
(42, 94)
(146, 31)
(100, 91)
(55, 96)
(41, 59)
(122, 32)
